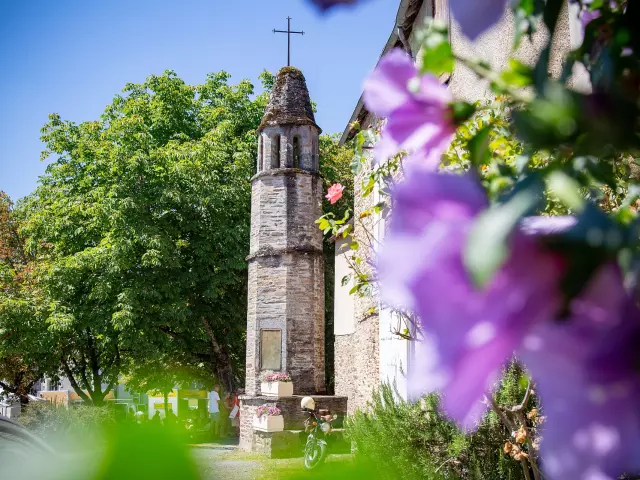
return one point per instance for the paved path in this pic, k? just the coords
(223, 460)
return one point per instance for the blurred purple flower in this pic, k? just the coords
(468, 333)
(586, 373)
(327, 4)
(477, 16)
(586, 16)
(419, 119)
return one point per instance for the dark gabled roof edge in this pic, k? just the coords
(405, 18)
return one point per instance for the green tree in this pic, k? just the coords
(26, 351)
(141, 228)
(163, 371)
(142, 221)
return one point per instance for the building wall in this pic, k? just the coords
(357, 354)
(495, 46)
(156, 404)
(343, 301)
(394, 350)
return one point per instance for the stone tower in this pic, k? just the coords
(285, 320)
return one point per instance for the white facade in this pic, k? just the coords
(343, 305)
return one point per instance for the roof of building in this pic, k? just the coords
(402, 29)
(289, 103)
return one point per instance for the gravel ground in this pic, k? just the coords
(227, 463)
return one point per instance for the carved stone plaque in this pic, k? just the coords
(270, 349)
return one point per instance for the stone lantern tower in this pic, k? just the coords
(285, 315)
(285, 323)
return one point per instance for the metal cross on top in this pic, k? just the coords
(288, 31)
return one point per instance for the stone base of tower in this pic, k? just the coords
(290, 442)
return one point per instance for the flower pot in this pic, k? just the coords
(276, 389)
(266, 423)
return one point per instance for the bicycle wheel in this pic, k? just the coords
(314, 453)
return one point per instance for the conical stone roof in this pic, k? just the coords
(289, 103)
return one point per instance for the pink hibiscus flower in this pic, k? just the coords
(419, 120)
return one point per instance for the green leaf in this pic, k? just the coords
(486, 248)
(462, 111)
(566, 189)
(323, 223)
(526, 16)
(517, 74)
(479, 148)
(550, 15)
(356, 164)
(438, 59)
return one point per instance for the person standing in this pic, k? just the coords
(214, 410)
(156, 420)
(225, 408)
(235, 413)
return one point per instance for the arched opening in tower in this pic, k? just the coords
(315, 162)
(275, 151)
(296, 151)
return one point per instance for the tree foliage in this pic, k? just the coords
(26, 351)
(140, 228)
(141, 225)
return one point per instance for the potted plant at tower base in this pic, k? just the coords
(268, 419)
(276, 384)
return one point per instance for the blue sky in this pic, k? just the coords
(73, 56)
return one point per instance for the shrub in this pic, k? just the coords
(50, 420)
(414, 441)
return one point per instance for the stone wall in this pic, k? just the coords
(357, 356)
(495, 46)
(286, 276)
(343, 301)
(293, 415)
(276, 148)
(285, 203)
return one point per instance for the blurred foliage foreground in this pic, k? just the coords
(393, 439)
(128, 451)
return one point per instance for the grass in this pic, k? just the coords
(336, 466)
(262, 468)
